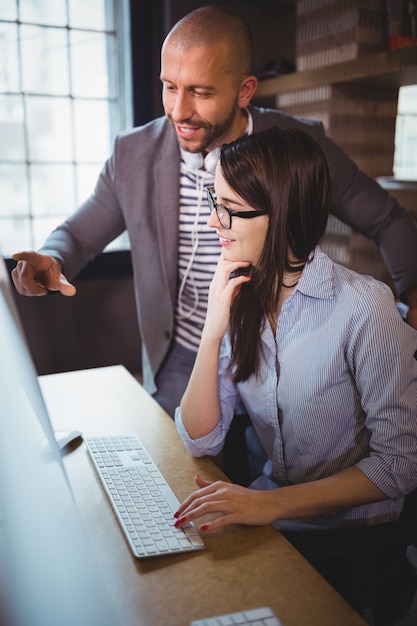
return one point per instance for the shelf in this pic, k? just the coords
(394, 68)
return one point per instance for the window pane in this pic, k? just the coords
(405, 158)
(406, 149)
(49, 128)
(86, 180)
(9, 65)
(15, 230)
(12, 130)
(9, 10)
(407, 100)
(91, 130)
(52, 12)
(121, 243)
(89, 64)
(13, 190)
(42, 227)
(44, 60)
(52, 188)
(91, 14)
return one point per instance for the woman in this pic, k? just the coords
(318, 354)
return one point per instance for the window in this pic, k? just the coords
(405, 158)
(64, 94)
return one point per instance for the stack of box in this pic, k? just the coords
(334, 31)
(402, 23)
(359, 118)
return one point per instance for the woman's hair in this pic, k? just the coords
(285, 173)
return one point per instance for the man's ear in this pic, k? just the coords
(247, 90)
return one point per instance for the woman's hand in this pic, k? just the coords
(200, 408)
(223, 290)
(240, 505)
(233, 503)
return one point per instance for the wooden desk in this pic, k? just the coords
(241, 568)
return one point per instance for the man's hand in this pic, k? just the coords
(35, 274)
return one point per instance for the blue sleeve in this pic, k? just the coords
(212, 443)
(380, 352)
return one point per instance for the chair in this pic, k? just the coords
(368, 566)
(235, 452)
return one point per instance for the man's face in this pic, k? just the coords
(200, 96)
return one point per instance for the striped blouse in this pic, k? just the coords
(337, 388)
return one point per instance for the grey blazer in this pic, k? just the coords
(138, 190)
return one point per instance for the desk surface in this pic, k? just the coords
(241, 568)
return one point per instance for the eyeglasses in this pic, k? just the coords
(224, 214)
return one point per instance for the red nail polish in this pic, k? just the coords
(203, 527)
(180, 521)
(176, 514)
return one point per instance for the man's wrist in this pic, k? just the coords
(57, 263)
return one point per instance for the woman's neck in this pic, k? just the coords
(288, 287)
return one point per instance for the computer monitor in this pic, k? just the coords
(48, 572)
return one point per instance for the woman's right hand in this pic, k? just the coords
(223, 290)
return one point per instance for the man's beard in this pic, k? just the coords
(213, 134)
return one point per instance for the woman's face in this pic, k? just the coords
(245, 239)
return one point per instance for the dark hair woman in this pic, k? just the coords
(319, 356)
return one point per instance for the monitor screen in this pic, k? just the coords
(48, 572)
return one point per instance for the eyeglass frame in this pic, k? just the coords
(213, 205)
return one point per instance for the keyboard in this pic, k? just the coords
(263, 616)
(141, 498)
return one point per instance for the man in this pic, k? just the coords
(154, 185)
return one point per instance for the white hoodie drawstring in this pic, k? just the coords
(182, 313)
